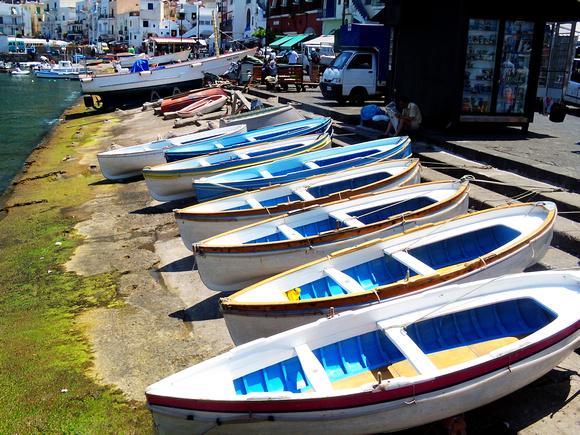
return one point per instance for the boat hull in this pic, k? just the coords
(198, 222)
(127, 162)
(261, 118)
(376, 406)
(178, 102)
(247, 321)
(205, 105)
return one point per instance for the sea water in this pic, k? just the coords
(29, 108)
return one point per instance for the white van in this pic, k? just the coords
(572, 93)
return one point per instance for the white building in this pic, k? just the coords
(248, 18)
(12, 19)
(58, 14)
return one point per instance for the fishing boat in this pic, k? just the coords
(173, 181)
(474, 246)
(203, 105)
(122, 87)
(204, 220)
(299, 167)
(127, 162)
(177, 102)
(65, 69)
(392, 366)
(297, 128)
(258, 251)
(263, 117)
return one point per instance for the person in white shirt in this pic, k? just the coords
(410, 119)
(292, 56)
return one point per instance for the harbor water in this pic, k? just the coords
(30, 107)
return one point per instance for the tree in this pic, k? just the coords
(262, 33)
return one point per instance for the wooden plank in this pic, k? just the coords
(412, 262)
(346, 219)
(347, 283)
(252, 202)
(313, 369)
(303, 194)
(409, 348)
(291, 233)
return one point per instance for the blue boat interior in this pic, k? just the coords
(367, 216)
(371, 351)
(325, 190)
(386, 270)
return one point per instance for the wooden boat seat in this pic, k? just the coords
(290, 233)
(313, 369)
(411, 262)
(409, 348)
(218, 145)
(266, 174)
(347, 283)
(303, 194)
(243, 156)
(252, 202)
(202, 162)
(346, 219)
(311, 165)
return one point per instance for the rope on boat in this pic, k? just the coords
(224, 186)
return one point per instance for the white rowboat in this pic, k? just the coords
(474, 246)
(388, 367)
(258, 251)
(126, 162)
(204, 220)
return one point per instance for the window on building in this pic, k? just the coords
(145, 23)
(150, 6)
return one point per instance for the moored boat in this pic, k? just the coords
(299, 167)
(19, 72)
(123, 87)
(127, 162)
(258, 251)
(388, 367)
(202, 106)
(65, 69)
(474, 246)
(173, 181)
(200, 221)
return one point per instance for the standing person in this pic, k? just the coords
(273, 55)
(409, 120)
(292, 56)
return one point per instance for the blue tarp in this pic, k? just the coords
(140, 65)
